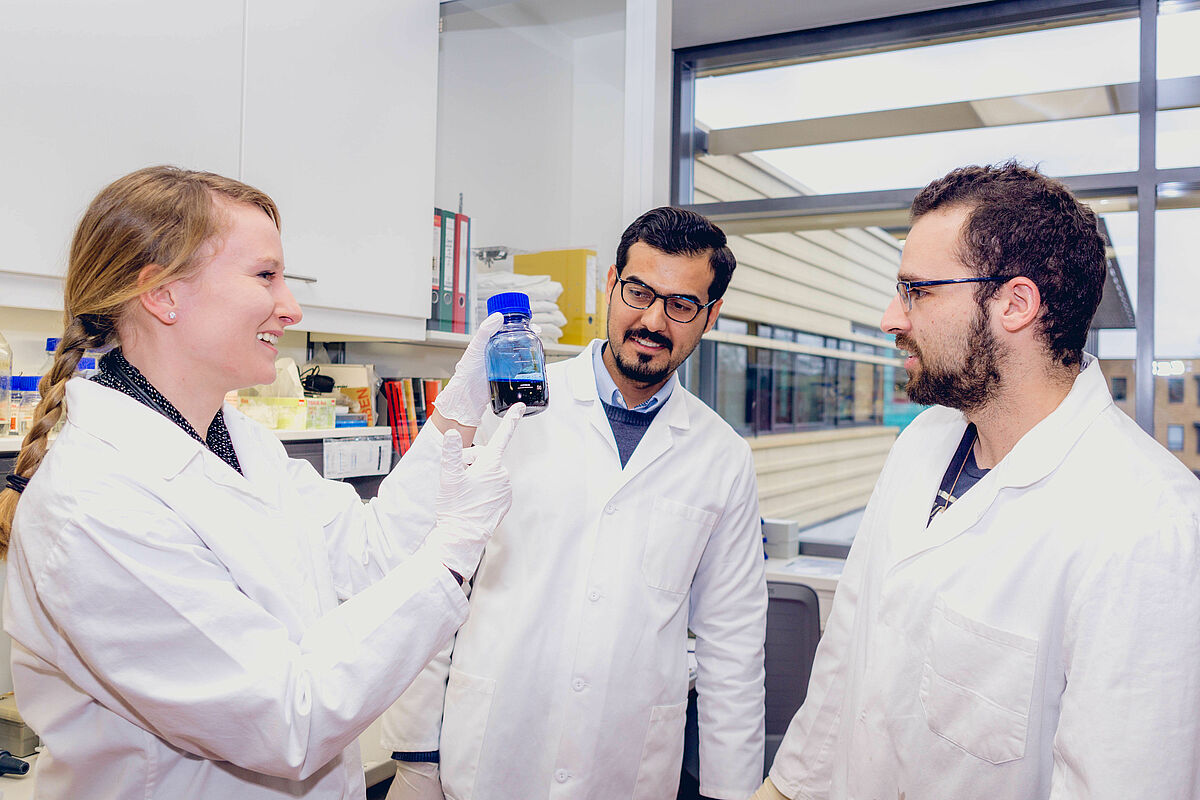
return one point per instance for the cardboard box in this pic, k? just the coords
(358, 382)
(15, 736)
(582, 302)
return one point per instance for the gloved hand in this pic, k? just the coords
(471, 500)
(467, 394)
(416, 781)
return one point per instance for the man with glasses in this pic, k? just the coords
(1019, 617)
(634, 519)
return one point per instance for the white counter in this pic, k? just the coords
(19, 787)
(377, 766)
(11, 444)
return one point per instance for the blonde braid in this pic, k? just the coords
(157, 216)
(53, 388)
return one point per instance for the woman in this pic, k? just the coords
(194, 614)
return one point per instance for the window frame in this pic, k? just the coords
(1175, 389)
(1175, 427)
(923, 27)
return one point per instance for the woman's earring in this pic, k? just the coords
(171, 315)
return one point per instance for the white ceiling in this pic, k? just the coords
(697, 22)
(572, 18)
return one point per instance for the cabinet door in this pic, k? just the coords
(91, 91)
(340, 123)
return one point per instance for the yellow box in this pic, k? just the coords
(278, 413)
(582, 301)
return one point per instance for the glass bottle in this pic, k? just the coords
(48, 361)
(30, 397)
(5, 385)
(516, 363)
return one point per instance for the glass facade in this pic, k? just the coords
(848, 122)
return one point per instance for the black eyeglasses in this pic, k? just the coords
(905, 288)
(679, 308)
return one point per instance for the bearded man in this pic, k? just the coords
(1018, 616)
(634, 520)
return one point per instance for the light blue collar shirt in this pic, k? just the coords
(606, 387)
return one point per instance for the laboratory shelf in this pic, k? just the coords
(456, 341)
(332, 433)
(11, 444)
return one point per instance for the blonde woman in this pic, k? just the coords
(194, 614)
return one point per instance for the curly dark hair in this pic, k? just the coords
(677, 231)
(1023, 223)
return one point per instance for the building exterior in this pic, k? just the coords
(1176, 402)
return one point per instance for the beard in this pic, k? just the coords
(639, 368)
(967, 386)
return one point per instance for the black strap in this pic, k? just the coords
(116, 368)
(945, 495)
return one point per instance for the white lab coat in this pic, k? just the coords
(570, 679)
(1040, 639)
(182, 631)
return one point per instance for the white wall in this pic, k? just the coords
(597, 154)
(529, 131)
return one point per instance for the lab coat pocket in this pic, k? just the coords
(977, 685)
(662, 754)
(674, 541)
(468, 705)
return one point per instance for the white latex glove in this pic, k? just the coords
(467, 394)
(471, 500)
(416, 781)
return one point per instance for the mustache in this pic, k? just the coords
(650, 336)
(905, 343)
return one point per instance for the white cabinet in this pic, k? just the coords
(91, 91)
(340, 126)
(329, 108)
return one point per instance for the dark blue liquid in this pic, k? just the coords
(507, 393)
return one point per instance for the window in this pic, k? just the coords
(779, 388)
(1174, 390)
(733, 390)
(1175, 438)
(807, 147)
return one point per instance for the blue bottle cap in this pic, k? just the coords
(509, 303)
(26, 383)
(86, 363)
(52, 344)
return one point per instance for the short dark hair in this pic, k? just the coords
(676, 231)
(1022, 223)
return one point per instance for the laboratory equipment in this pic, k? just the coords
(48, 361)
(25, 398)
(5, 382)
(516, 363)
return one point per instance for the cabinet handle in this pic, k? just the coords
(291, 277)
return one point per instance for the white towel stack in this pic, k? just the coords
(543, 294)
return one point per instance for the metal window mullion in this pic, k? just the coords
(683, 145)
(1147, 195)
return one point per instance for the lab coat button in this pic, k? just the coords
(561, 776)
(610, 509)
(593, 595)
(578, 684)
